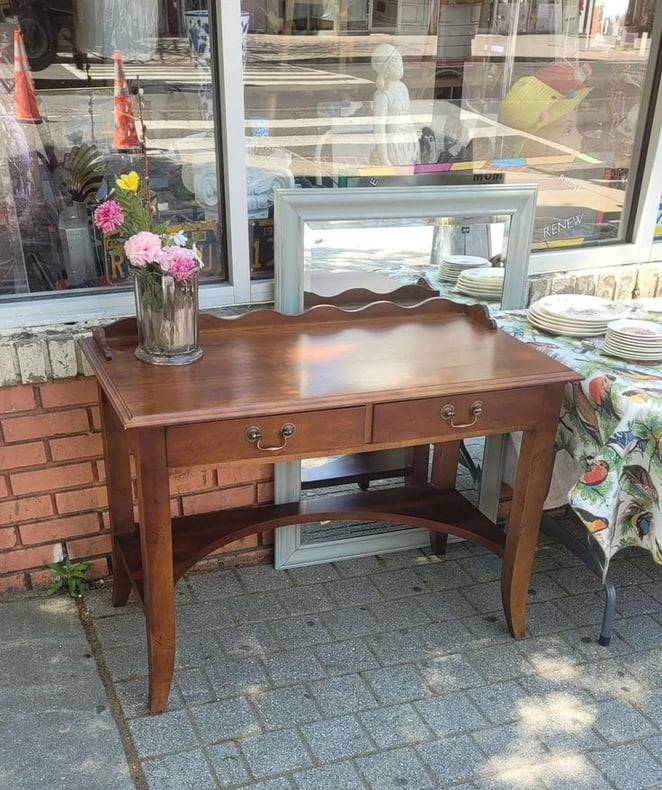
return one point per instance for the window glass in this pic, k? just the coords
(355, 93)
(90, 90)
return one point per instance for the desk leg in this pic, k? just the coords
(120, 500)
(531, 484)
(157, 562)
(443, 475)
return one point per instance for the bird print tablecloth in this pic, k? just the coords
(609, 440)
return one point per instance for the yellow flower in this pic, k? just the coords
(128, 181)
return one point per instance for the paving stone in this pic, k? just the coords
(443, 575)
(263, 577)
(224, 720)
(340, 776)
(576, 580)
(451, 759)
(396, 647)
(255, 608)
(314, 574)
(344, 694)
(484, 568)
(255, 639)
(194, 686)
(485, 598)
(344, 623)
(395, 770)
(499, 662)
(336, 739)
(446, 605)
(640, 632)
(396, 684)
(228, 764)
(286, 706)
(574, 772)
(350, 655)
(399, 613)
(242, 675)
(654, 746)
(276, 752)
(353, 591)
(443, 674)
(157, 735)
(301, 630)
(397, 725)
(300, 600)
(271, 784)
(215, 586)
(619, 722)
(500, 702)
(197, 649)
(449, 714)
(186, 770)
(361, 566)
(397, 583)
(439, 638)
(202, 617)
(294, 666)
(632, 600)
(629, 767)
(513, 743)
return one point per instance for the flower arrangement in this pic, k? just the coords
(152, 252)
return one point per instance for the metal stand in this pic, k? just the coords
(588, 552)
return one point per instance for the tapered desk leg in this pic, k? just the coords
(120, 500)
(157, 562)
(443, 475)
(531, 485)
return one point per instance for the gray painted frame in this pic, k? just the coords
(293, 208)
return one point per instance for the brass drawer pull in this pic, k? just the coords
(254, 435)
(448, 413)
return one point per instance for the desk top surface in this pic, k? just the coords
(268, 363)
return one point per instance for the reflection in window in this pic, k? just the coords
(547, 92)
(99, 80)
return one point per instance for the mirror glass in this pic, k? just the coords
(461, 257)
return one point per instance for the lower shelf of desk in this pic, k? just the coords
(417, 506)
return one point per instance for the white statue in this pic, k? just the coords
(397, 140)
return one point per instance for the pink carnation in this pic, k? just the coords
(143, 248)
(180, 262)
(108, 216)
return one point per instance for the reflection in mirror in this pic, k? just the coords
(460, 257)
(384, 237)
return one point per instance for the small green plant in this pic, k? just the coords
(69, 578)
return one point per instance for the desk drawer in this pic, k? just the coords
(499, 412)
(323, 432)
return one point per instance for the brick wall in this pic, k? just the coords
(52, 486)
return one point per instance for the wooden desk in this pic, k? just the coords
(272, 387)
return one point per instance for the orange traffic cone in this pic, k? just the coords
(125, 137)
(25, 101)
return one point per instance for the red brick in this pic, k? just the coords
(248, 473)
(4, 491)
(69, 448)
(101, 470)
(36, 426)
(14, 399)
(23, 559)
(69, 392)
(89, 547)
(26, 509)
(267, 537)
(95, 413)
(22, 455)
(59, 528)
(257, 557)
(15, 582)
(191, 480)
(265, 493)
(8, 538)
(81, 500)
(40, 579)
(52, 478)
(217, 500)
(99, 569)
(249, 542)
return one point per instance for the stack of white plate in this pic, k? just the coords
(453, 265)
(634, 339)
(481, 283)
(574, 315)
(649, 307)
